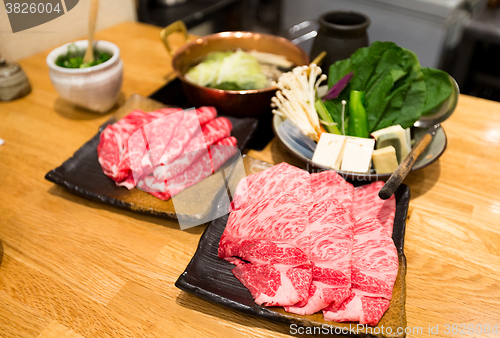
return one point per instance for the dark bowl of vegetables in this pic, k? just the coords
(94, 86)
(234, 71)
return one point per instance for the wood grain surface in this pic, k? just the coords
(76, 268)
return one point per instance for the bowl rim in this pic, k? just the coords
(238, 34)
(52, 56)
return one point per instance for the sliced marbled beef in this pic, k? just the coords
(312, 243)
(272, 183)
(200, 169)
(329, 242)
(131, 149)
(113, 148)
(374, 259)
(211, 132)
(268, 217)
(113, 145)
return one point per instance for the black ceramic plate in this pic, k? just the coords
(210, 277)
(82, 174)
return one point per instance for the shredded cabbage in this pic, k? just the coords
(229, 70)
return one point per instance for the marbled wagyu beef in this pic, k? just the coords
(167, 150)
(312, 242)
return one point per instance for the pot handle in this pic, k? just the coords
(177, 26)
(301, 26)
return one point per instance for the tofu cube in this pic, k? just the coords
(357, 154)
(394, 136)
(329, 150)
(385, 160)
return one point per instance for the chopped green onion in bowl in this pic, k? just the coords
(74, 58)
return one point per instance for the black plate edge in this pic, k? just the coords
(54, 177)
(402, 195)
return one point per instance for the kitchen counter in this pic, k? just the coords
(77, 268)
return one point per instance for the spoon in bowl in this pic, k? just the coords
(89, 53)
(432, 122)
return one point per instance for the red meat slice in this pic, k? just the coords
(277, 179)
(113, 148)
(369, 205)
(147, 144)
(374, 259)
(211, 132)
(163, 140)
(275, 284)
(203, 167)
(329, 242)
(262, 232)
(113, 145)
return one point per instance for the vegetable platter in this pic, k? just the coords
(359, 119)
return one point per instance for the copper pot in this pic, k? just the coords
(229, 102)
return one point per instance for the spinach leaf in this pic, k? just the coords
(376, 69)
(439, 89)
(393, 64)
(407, 97)
(398, 90)
(338, 70)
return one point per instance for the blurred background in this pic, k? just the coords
(461, 37)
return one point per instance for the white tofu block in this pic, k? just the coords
(357, 154)
(329, 150)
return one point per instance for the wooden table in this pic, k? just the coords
(76, 268)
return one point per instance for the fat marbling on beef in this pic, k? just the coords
(167, 148)
(374, 265)
(261, 234)
(289, 232)
(329, 242)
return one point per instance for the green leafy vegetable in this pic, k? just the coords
(74, 58)
(439, 89)
(228, 70)
(394, 85)
(407, 98)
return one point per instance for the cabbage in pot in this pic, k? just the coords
(229, 71)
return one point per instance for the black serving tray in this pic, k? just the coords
(210, 277)
(82, 174)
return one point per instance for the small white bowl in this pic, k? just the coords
(95, 88)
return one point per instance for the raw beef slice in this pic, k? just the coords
(113, 145)
(261, 233)
(271, 183)
(313, 243)
(203, 167)
(374, 259)
(211, 132)
(113, 148)
(328, 243)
